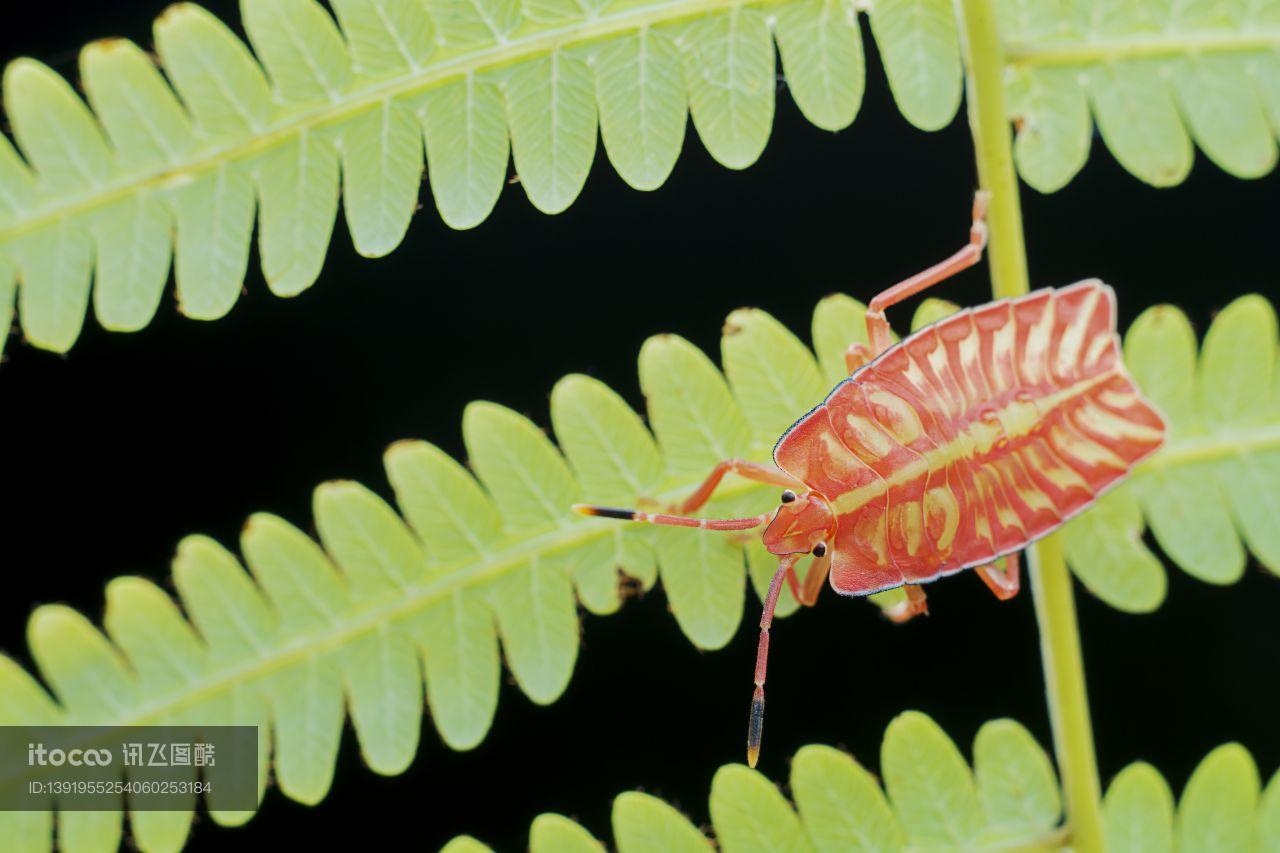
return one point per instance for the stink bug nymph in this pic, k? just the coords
(960, 444)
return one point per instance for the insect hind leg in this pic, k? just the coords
(878, 327)
(915, 605)
(1004, 584)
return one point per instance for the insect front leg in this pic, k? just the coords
(751, 470)
(878, 327)
(1005, 584)
(818, 571)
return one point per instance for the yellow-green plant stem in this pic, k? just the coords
(1064, 684)
(1047, 570)
(1098, 50)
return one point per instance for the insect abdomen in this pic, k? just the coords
(975, 436)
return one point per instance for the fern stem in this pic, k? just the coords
(984, 88)
(1050, 582)
(1209, 448)
(1065, 688)
(1102, 50)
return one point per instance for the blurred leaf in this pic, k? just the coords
(642, 822)
(1016, 783)
(929, 784)
(920, 44)
(1153, 77)
(1138, 811)
(1217, 808)
(552, 833)
(750, 813)
(841, 804)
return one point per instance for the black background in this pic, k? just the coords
(117, 450)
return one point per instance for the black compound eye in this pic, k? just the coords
(788, 496)
(820, 550)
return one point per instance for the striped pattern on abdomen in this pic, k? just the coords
(973, 437)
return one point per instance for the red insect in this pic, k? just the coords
(960, 444)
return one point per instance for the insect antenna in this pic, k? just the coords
(673, 520)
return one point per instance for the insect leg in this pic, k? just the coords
(914, 605)
(756, 724)
(856, 355)
(818, 571)
(878, 326)
(793, 583)
(1005, 584)
(751, 470)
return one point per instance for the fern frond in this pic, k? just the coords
(1009, 800)
(931, 799)
(469, 563)
(322, 108)
(1212, 490)
(1152, 76)
(175, 168)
